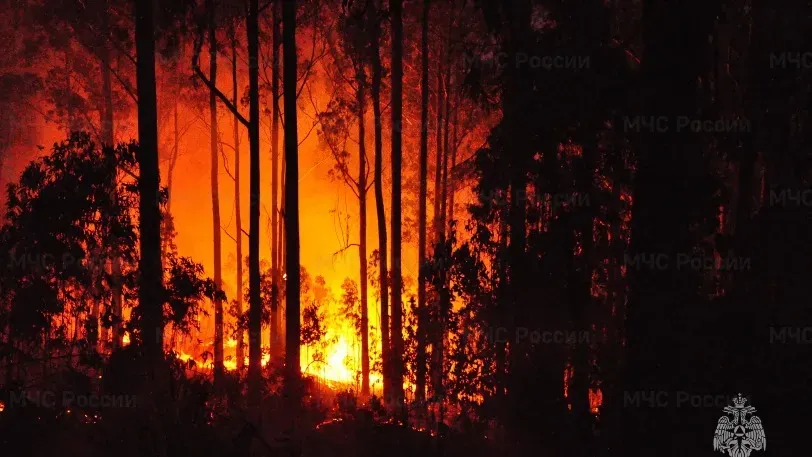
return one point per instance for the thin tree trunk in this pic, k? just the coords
(255, 301)
(151, 283)
(517, 85)
(420, 370)
(95, 308)
(237, 200)
(107, 93)
(275, 223)
(281, 250)
(445, 296)
(173, 160)
(451, 184)
(281, 241)
(292, 323)
(108, 138)
(438, 155)
(362, 240)
(434, 333)
(446, 122)
(215, 200)
(118, 332)
(445, 293)
(377, 75)
(397, 157)
(68, 92)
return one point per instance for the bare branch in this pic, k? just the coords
(212, 87)
(345, 248)
(225, 162)
(228, 234)
(124, 84)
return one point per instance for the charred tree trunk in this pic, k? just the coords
(445, 293)
(451, 184)
(517, 86)
(237, 206)
(377, 76)
(438, 155)
(438, 297)
(446, 122)
(362, 239)
(397, 157)
(276, 352)
(255, 300)
(215, 199)
(150, 288)
(420, 369)
(108, 138)
(292, 324)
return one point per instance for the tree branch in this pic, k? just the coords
(350, 245)
(124, 84)
(212, 87)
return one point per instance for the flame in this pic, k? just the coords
(595, 400)
(340, 364)
(2, 406)
(334, 368)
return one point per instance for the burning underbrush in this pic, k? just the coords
(113, 413)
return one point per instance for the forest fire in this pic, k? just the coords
(385, 227)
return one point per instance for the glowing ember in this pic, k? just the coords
(595, 400)
(2, 406)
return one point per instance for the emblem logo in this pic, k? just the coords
(737, 435)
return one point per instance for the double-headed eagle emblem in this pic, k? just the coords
(737, 435)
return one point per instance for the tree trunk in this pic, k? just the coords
(446, 121)
(107, 134)
(255, 301)
(451, 184)
(377, 75)
(150, 288)
(237, 200)
(438, 155)
(281, 248)
(173, 160)
(445, 295)
(215, 199)
(397, 156)
(108, 138)
(517, 86)
(362, 239)
(292, 319)
(281, 252)
(68, 91)
(420, 369)
(276, 345)
(434, 333)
